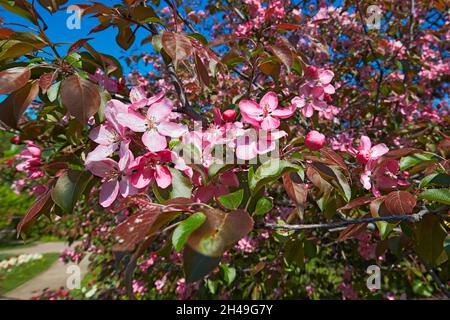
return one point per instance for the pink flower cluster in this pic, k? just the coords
(31, 161)
(315, 93)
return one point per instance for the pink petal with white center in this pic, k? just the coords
(270, 123)
(172, 129)
(269, 100)
(250, 108)
(133, 120)
(103, 168)
(160, 111)
(154, 141)
(109, 192)
(104, 135)
(163, 176)
(283, 113)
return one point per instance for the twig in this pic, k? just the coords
(410, 218)
(436, 278)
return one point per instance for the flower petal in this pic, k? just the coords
(154, 141)
(172, 129)
(160, 111)
(250, 108)
(163, 176)
(109, 192)
(133, 120)
(378, 150)
(270, 100)
(102, 168)
(283, 113)
(270, 123)
(104, 135)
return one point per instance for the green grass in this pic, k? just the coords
(25, 272)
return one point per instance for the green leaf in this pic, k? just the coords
(229, 273)
(439, 195)
(336, 178)
(185, 228)
(412, 160)
(232, 200)
(440, 179)
(294, 252)
(269, 171)
(69, 187)
(263, 206)
(181, 187)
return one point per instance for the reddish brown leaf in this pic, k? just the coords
(201, 71)
(177, 46)
(13, 79)
(12, 108)
(294, 187)
(141, 227)
(402, 152)
(283, 53)
(46, 80)
(42, 205)
(357, 203)
(80, 97)
(5, 33)
(336, 158)
(353, 230)
(287, 26)
(400, 202)
(77, 45)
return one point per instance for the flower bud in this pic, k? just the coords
(315, 140)
(229, 115)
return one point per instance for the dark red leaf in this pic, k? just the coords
(287, 26)
(357, 203)
(80, 97)
(400, 202)
(13, 79)
(77, 45)
(42, 205)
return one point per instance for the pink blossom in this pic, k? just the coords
(266, 114)
(110, 134)
(307, 103)
(155, 125)
(150, 167)
(366, 152)
(315, 140)
(116, 176)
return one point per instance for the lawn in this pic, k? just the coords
(25, 272)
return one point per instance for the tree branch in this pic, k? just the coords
(409, 218)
